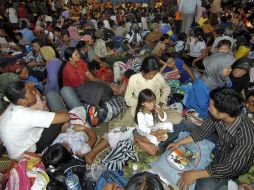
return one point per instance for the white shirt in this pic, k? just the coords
(21, 129)
(146, 122)
(196, 47)
(12, 14)
(130, 37)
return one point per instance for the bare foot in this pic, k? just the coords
(89, 158)
(147, 147)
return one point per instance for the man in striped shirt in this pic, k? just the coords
(234, 152)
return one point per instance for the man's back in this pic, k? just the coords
(189, 6)
(21, 128)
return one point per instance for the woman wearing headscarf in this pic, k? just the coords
(240, 76)
(217, 70)
(53, 65)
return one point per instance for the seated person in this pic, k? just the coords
(250, 105)
(176, 68)
(233, 154)
(22, 128)
(22, 41)
(240, 76)
(149, 77)
(217, 70)
(161, 45)
(151, 124)
(27, 78)
(35, 62)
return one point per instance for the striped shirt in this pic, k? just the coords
(235, 142)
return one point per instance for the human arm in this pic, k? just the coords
(163, 67)
(92, 137)
(188, 177)
(161, 114)
(202, 56)
(60, 117)
(164, 89)
(129, 94)
(237, 161)
(189, 71)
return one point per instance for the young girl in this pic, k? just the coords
(152, 126)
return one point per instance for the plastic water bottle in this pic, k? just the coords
(72, 181)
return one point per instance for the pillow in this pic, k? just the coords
(93, 93)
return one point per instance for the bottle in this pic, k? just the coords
(72, 181)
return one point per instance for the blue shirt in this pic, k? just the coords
(28, 34)
(198, 98)
(179, 65)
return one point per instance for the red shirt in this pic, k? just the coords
(74, 76)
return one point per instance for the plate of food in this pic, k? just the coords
(185, 157)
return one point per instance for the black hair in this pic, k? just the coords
(182, 36)
(81, 44)
(110, 44)
(209, 39)
(224, 42)
(243, 63)
(145, 95)
(15, 91)
(55, 155)
(100, 24)
(227, 100)
(144, 181)
(164, 37)
(19, 34)
(150, 63)
(165, 19)
(65, 32)
(224, 19)
(36, 40)
(165, 56)
(58, 29)
(249, 95)
(199, 33)
(23, 24)
(68, 52)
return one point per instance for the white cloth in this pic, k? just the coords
(131, 36)
(196, 47)
(119, 134)
(21, 129)
(146, 125)
(12, 14)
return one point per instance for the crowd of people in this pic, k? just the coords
(163, 68)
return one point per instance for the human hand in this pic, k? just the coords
(31, 64)
(187, 178)
(161, 131)
(64, 127)
(173, 146)
(158, 110)
(246, 187)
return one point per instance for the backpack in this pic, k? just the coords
(107, 110)
(58, 175)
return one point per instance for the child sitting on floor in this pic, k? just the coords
(152, 126)
(27, 78)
